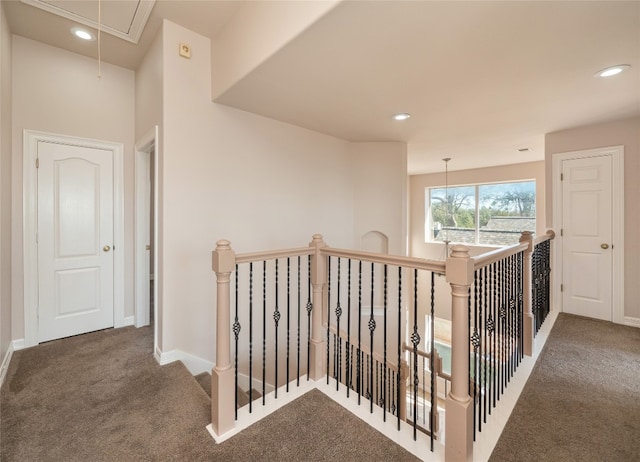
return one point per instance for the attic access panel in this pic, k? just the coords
(124, 18)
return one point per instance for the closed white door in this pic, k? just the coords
(75, 240)
(587, 237)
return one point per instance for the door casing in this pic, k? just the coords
(31, 138)
(617, 190)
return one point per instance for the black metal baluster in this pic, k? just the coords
(349, 363)
(491, 327)
(359, 355)
(384, 335)
(415, 340)
(475, 341)
(298, 334)
(264, 329)
(309, 310)
(337, 359)
(432, 358)
(486, 356)
(236, 332)
(480, 357)
(399, 374)
(372, 328)
(250, 337)
(288, 320)
(328, 314)
(276, 318)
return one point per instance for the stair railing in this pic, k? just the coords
(498, 302)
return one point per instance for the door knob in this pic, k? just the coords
(106, 248)
(604, 246)
(148, 247)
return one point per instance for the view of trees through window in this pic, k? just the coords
(493, 214)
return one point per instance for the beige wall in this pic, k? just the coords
(229, 174)
(622, 132)
(5, 185)
(418, 184)
(59, 92)
(379, 180)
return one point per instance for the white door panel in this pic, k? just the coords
(587, 233)
(75, 240)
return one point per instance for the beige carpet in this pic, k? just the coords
(102, 397)
(582, 400)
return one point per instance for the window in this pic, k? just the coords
(488, 214)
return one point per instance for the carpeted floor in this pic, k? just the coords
(102, 397)
(582, 400)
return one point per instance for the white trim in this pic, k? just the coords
(31, 138)
(129, 321)
(194, 364)
(18, 344)
(256, 383)
(617, 189)
(5, 363)
(631, 321)
(150, 141)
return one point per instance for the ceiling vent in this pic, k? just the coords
(124, 19)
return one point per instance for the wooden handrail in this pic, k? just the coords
(395, 260)
(273, 254)
(550, 234)
(488, 258)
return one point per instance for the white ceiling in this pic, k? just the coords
(481, 79)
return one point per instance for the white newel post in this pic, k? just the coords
(528, 324)
(317, 366)
(222, 377)
(459, 407)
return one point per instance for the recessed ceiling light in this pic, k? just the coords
(401, 116)
(83, 34)
(613, 70)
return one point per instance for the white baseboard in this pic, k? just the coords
(4, 367)
(128, 321)
(18, 344)
(194, 364)
(630, 321)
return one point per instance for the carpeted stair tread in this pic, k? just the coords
(204, 379)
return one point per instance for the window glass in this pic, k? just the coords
(489, 214)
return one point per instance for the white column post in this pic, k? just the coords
(317, 366)
(528, 325)
(459, 406)
(222, 377)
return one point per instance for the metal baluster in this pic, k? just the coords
(432, 358)
(298, 333)
(359, 356)
(372, 328)
(475, 341)
(276, 318)
(264, 329)
(288, 319)
(349, 363)
(399, 375)
(338, 314)
(415, 339)
(236, 332)
(309, 310)
(250, 336)
(328, 314)
(384, 335)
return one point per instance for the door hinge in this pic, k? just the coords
(37, 162)
(562, 177)
(561, 287)
(561, 232)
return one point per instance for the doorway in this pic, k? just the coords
(73, 236)
(146, 291)
(589, 215)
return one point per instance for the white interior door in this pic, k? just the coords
(75, 210)
(587, 236)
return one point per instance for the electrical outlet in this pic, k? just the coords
(185, 50)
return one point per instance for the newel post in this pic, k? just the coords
(459, 407)
(317, 366)
(528, 325)
(222, 377)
